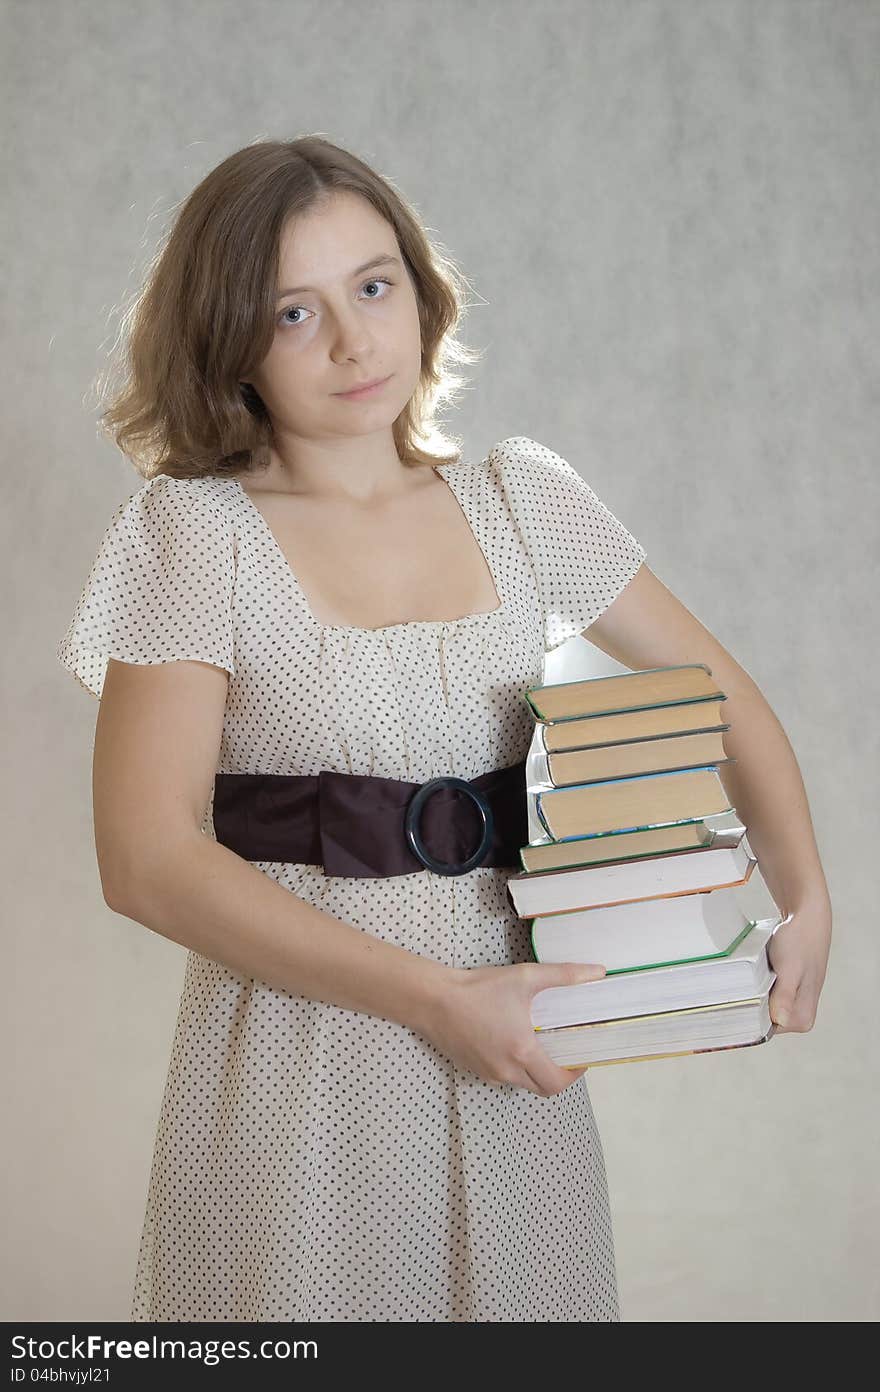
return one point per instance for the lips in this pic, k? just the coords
(363, 386)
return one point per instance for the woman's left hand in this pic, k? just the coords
(798, 954)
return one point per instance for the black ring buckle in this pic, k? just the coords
(411, 826)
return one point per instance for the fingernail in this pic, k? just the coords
(782, 1018)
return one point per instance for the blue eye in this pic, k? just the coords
(293, 324)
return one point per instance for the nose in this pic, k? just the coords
(350, 336)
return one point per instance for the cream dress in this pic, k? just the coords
(313, 1162)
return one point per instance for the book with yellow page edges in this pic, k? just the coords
(637, 860)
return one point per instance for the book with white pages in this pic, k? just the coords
(744, 974)
(645, 933)
(671, 1034)
(727, 861)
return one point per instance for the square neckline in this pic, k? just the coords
(463, 620)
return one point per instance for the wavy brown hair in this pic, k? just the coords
(204, 318)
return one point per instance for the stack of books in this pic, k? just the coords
(634, 859)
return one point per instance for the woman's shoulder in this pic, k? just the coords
(186, 491)
(553, 501)
(530, 458)
(529, 474)
(164, 499)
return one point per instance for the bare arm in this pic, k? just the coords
(156, 743)
(647, 626)
(156, 746)
(207, 898)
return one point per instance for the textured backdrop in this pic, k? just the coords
(669, 216)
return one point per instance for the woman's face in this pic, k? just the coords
(343, 326)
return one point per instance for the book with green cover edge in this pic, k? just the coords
(649, 966)
(629, 778)
(619, 777)
(530, 692)
(617, 710)
(635, 739)
(610, 859)
(644, 826)
(614, 860)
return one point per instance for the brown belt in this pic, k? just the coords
(357, 825)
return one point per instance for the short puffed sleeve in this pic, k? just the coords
(581, 555)
(160, 588)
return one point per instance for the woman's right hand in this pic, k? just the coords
(482, 1021)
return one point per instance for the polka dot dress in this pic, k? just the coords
(317, 1163)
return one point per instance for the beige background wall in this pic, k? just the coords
(669, 215)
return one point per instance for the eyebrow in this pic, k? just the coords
(385, 260)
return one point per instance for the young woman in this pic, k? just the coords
(311, 609)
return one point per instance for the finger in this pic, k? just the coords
(803, 1015)
(781, 1003)
(550, 974)
(548, 1075)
